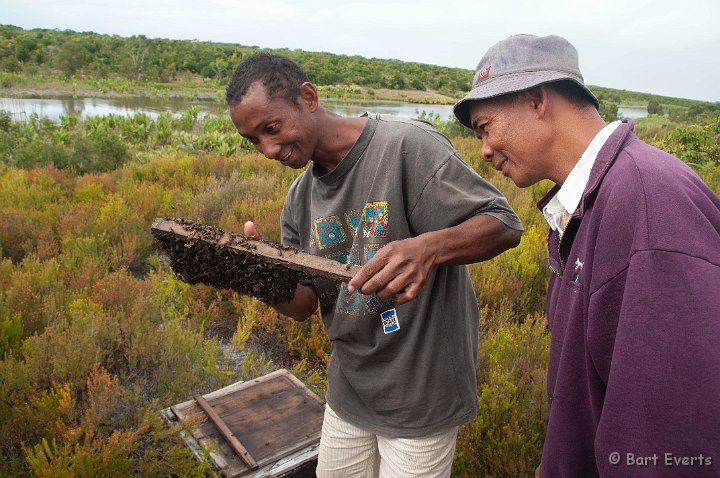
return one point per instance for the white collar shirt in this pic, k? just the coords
(558, 210)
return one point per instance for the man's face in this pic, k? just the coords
(278, 129)
(508, 128)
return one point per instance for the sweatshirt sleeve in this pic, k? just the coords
(662, 372)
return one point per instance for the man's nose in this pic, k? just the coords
(269, 149)
(486, 151)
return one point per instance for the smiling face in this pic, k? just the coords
(513, 137)
(279, 129)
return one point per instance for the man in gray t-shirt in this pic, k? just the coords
(393, 196)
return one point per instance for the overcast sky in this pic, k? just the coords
(667, 47)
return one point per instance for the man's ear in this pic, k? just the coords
(537, 97)
(309, 96)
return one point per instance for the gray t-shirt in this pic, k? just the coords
(395, 370)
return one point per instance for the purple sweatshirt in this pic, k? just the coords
(634, 312)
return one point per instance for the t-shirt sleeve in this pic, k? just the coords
(289, 235)
(456, 193)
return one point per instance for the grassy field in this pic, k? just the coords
(97, 335)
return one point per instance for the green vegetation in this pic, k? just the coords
(677, 109)
(100, 144)
(96, 333)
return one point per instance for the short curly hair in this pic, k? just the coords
(280, 75)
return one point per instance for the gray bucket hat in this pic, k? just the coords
(521, 62)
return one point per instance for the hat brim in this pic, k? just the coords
(511, 83)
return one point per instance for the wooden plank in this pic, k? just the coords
(293, 433)
(272, 253)
(287, 464)
(226, 433)
(262, 391)
(189, 407)
(185, 409)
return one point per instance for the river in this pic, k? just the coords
(53, 108)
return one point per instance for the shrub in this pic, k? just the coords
(698, 144)
(505, 440)
(11, 330)
(521, 273)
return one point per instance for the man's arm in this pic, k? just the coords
(400, 269)
(302, 305)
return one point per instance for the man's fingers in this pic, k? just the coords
(378, 282)
(250, 230)
(408, 293)
(368, 271)
(393, 288)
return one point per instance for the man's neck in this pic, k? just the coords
(571, 143)
(336, 138)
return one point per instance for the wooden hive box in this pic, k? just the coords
(275, 419)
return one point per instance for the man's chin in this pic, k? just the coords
(521, 182)
(296, 163)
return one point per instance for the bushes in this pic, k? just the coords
(698, 144)
(41, 143)
(105, 143)
(521, 273)
(79, 392)
(505, 440)
(97, 334)
(82, 306)
(451, 128)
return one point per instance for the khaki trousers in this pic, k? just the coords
(348, 451)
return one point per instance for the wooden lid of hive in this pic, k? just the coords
(271, 417)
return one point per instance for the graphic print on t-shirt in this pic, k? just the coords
(352, 219)
(329, 231)
(375, 219)
(374, 224)
(372, 221)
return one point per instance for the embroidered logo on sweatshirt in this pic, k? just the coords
(577, 276)
(390, 321)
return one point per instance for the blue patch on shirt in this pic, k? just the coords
(390, 321)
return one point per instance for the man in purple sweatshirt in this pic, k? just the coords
(633, 304)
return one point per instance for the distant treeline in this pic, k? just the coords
(141, 58)
(156, 62)
(678, 109)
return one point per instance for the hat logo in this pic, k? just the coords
(484, 73)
